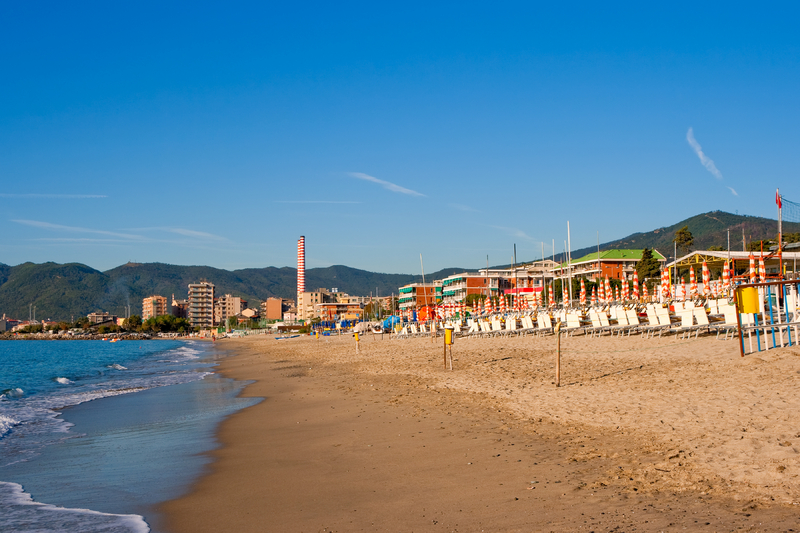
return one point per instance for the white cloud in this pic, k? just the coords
(515, 232)
(74, 229)
(733, 191)
(464, 208)
(53, 196)
(313, 202)
(386, 184)
(708, 163)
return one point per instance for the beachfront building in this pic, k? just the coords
(416, 295)
(154, 306)
(307, 301)
(331, 311)
(614, 264)
(101, 318)
(200, 310)
(457, 287)
(228, 306)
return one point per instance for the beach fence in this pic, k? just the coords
(767, 313)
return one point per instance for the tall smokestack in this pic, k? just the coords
(301, 271)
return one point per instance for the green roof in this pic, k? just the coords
(615, 255)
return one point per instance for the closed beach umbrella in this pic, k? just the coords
(645, 296)
(583, 293)
(594, 296)
(608, 289)
(726, 277)
(762, 270)
(488, 306)
(503, 304)
(752, 268)
(706, 280)
(601, 296)
(692, 283)
(636, 285)
(551, 299)
(564, 295)
(665, 283)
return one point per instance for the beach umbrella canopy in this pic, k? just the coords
(762, 270)
(551, 299)
(503, 304)
(692, 282)
(752, 268)
(488, 306)
(583, 293)
(608, 289)
(645, 296)
(594, 296)
(706, 279)
(636, 285)
(665, 283)
(564, 295)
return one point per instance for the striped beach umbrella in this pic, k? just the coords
(488, 306)
(645, 296)
(665, 283)
(726, 277)
(594, 296)
(551, 299)
(583, 293)
(564, 295)
(608, 290)
(762, 270)
(636, 285)
(706, 280)
(692, 283)
(752, 268)
(626, 290)
(601, 296)
(503, 304)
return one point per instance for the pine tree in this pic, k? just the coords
(648, 266)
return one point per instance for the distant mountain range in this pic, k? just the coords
(61, 292)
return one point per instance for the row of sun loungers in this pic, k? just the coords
(654, 320)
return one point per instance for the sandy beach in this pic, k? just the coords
(643, 435)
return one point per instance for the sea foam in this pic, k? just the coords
(6, 423)
(21, 513)
(64, 381)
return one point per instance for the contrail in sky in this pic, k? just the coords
(386, 184)
(708, 163)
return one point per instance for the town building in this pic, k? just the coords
(228, 306)
(154, 306)
(307, 301)
(331, 311)
(200, 311)
(272, 308)
(614, 264)
(416, 295)
(101, 318)
(180, 308)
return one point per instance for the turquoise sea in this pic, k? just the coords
(93, 435)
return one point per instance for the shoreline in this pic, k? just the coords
(388, 440)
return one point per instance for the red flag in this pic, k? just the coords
(778, 199)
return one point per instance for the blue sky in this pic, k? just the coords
(216, 134)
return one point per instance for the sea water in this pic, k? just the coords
(93, 435)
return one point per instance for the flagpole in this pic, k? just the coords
(780, 233)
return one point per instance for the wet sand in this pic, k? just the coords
(644, 435)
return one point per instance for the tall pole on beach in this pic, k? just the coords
(569, 262)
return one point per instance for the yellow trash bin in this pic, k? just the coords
(748, 300)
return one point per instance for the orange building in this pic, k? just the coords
(154, 306)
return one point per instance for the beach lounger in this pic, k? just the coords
(687, 323)
(511, 325)
(573, 324)
(497, 326)
(597, 327)
(633, 320)
(729, 323)
(527, 325)
(701, 319)
(486, 329)
(544, 324)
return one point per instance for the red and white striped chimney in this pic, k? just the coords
(301, 268)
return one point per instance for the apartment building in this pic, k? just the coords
(154, 306)
(305, 307)
(228, 306)
(416, 295)
(200, 311)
